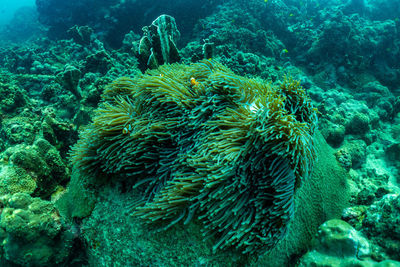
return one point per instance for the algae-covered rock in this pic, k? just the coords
(69, 79)
(357, 151)
(115, 238)
(337, 243)
(11, 95)
(14, 179)
(58, 133)
(381, 224)
(76, 201)
(20, 129)
(358, 124)
(33, 232)
(334, 134)
(81, 34)
(43, 163)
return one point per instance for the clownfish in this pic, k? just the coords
(127, 129)
(193, 82)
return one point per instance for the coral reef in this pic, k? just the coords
(15, 180)
(115, 18)
(56, 61)
(32, 232)
(205, 142)
(11, 95)
(81, 34)
(380, 224)
(41, 162)
(339, 244)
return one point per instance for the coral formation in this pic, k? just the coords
(226, 149)
(33, 233)
(11, 95)
(69, 79)
(14, 179)
(158, 44)
(81, 34)
(345, 53)
(381, 224)
(38, 166)
(339, 244)
(114, 18)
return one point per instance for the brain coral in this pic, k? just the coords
(199, 141)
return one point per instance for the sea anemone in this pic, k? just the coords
(202, 142)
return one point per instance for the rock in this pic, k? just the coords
(337, 243)
(69, 79)
(335, 135)
(32, 232)
(393, 152)
(14, 179)
(381, 224)
(358, 124)
(81, 34)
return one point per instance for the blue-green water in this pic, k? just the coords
(8, 7)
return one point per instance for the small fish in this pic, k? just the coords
(127, 129)
(193, 82)
(284, 51)
(291, 15)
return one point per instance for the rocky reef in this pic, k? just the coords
(58, 59)
(32, 231)
(339, 244)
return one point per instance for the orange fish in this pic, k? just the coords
(193, 81)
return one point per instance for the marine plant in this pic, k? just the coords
(201, 142)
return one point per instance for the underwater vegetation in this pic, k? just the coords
(200, 141)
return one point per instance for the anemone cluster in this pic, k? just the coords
(202, 142)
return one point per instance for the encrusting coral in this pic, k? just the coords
(200, 141)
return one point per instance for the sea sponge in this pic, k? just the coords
(158, 44)
(227, 150)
